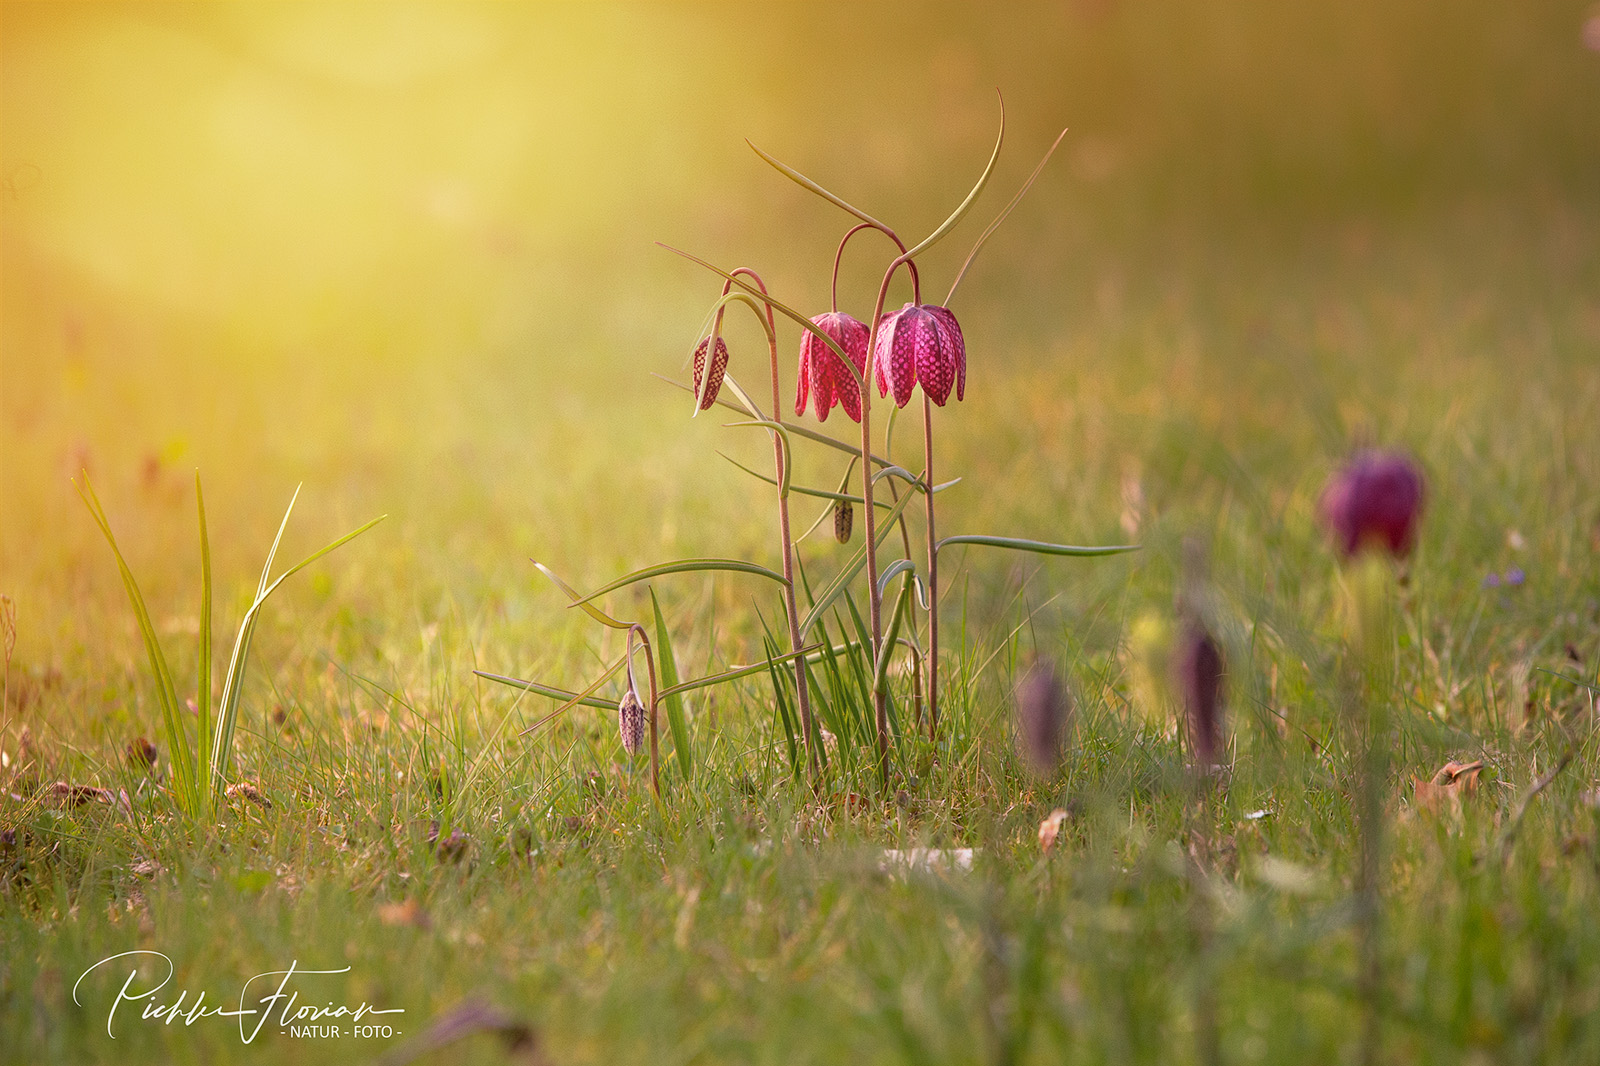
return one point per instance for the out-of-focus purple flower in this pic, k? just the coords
(1375, 501)
(1515, 576)
(823, 374)
(1198, 675)
(1491, 580)
(719, 366)
(1044, 713)
(921, 343)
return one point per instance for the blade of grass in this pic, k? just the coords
(180, 751)
(682, 566)
(842, 579)
(1001, 217)
(203, 683)
(673, 700)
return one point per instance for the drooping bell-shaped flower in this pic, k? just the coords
(1375, 501)
(630, 721)
(719, 366)
(921, 343)
(823, 374)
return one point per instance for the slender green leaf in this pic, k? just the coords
(852, 567)
(551, 691)
(806, 183)
(788, 448)
(793, 427)
(733, 673)
(972, 197)
(681, 566)
(1002, 216)
(881, 669)
(668, 664)
(578, 601)
(233, 682)
(180, 752)
(1038, 547)
(789, 312)
(203, 684)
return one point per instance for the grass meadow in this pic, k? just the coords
(404, 256)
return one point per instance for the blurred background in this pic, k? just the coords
(404, 253)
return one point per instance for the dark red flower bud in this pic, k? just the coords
(823, 374)
(719, 366)
(1374, 501)
(1197, 675)
(921, 342)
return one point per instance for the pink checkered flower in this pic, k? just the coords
(823, 374)
(921, 343)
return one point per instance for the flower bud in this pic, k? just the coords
(844, 517)
(719, 366)
(1375, 501)
(630, 722)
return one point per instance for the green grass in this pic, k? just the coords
(1379, 238)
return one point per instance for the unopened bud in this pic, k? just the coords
(844, 519)
(630, 722)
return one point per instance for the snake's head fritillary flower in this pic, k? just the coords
(1375, 501)
(1198, 674)
(921, 343)
(630, 721)
(1044, 713)
(823, 374)
(713, 381)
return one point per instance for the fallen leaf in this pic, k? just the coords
(68, 795)
(249, 792)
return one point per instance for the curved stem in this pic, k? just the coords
(781, 462)
(874, 600)
(932, 658)
(916, 280)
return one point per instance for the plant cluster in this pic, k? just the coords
(918, 348)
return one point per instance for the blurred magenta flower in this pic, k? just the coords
(719, 366)
(823, 374)
(1375, 501)
(1198, 672)
(921, 343)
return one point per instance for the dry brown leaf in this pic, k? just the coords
(249, 792)
(1050, 828)
(68, 795)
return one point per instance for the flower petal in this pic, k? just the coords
(954, 343)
